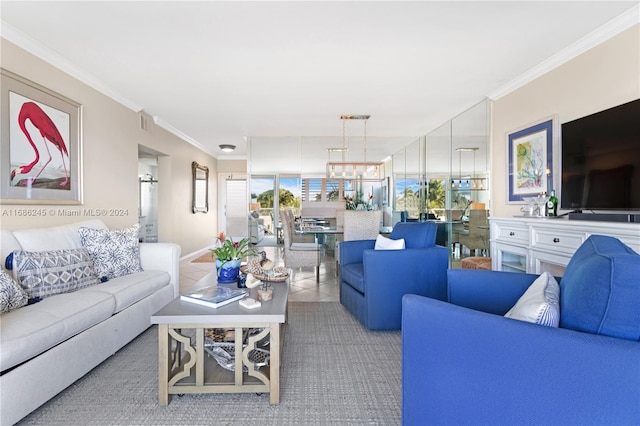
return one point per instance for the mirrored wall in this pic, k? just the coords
(444, 177)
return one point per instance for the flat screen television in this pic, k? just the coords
(601, 160)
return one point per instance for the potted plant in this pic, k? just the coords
(228, 256)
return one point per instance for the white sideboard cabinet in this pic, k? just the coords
(537, 245)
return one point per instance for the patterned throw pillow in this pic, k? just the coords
(45, 273)
(12, 296)
(115, 253)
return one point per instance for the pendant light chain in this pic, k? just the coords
(344, 124)
(365, 140)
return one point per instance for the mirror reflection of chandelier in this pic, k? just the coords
(472, 181)
(362, 170)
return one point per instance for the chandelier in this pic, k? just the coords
(362, 170)
(472, 182)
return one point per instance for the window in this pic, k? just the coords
(333, 190)
(289, 193)
(312, 190)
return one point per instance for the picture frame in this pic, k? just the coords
(41, 144)
(530, 161)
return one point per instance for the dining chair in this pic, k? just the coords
(298, 254)
(477, 236)
(358, 225)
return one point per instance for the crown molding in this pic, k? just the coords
(171, 129)
(30, 45)
(600, 35)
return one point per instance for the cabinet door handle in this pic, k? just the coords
(556, 240)
(511, 234)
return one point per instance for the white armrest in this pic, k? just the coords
(162, 257)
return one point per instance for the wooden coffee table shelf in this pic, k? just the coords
(183, 368)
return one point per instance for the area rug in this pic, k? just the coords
(334, 372)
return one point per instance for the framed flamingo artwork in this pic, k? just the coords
(41, 146)
(530, 161)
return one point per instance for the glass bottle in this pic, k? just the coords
(552, 204)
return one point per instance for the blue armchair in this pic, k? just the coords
(372, 282)
(464, 363)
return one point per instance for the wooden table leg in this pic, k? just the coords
(163, 365)
(274, 372)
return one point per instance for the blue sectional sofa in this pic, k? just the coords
(464, 363)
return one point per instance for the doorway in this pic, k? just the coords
(236, 208)
(148, 197)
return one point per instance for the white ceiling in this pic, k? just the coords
(218, 72)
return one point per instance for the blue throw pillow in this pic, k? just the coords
(600, 290)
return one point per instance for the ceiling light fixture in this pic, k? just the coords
(363, 170)
(227, 148)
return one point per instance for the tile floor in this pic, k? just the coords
(303, 285)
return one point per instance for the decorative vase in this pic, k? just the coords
(228, 271)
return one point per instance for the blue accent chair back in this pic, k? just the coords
(464, 363)
(372, 282)
(416, 235)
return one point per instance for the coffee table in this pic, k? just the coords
(185, 368)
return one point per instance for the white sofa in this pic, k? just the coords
(48, 345)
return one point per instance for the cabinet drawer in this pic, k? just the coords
(555, 240)
(511, 233)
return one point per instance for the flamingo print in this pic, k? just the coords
(48, 131)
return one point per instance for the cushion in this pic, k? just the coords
(600, 289)
(45, 273)
(31, 330)
(540, 303)
(304, 247)
(55, 237)
(384, 243)
(12, 296)
(130, 289)
(352, 274)
(115, 253)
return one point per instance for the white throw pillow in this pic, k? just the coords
(384, 243)
(540, 304)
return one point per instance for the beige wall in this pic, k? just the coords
(603, 77)
(232, 166)
(111, 136)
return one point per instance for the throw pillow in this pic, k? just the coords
(384, 243)
(115, 253)
(12, 296)
(45, 273)
(540, 304)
